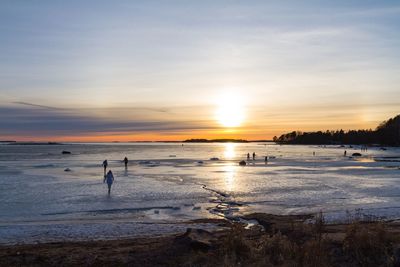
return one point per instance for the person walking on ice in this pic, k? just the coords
(126, 162)
(105, 164)
(109, 178)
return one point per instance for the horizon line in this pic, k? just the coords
(141, 141)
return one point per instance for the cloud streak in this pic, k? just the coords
(33, 105)
(37, 120)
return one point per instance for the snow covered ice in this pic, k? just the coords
(158, 193)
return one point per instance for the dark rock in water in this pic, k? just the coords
(383, 148)
(214, 158)
(356, 155)
(242, 163)
(67, 170)
(196, 239)
(65, 152)
(200, 162)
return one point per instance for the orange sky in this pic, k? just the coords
(243, 132)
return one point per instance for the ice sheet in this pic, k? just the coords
(158, 188)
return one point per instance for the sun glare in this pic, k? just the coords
(229, 152)
(230, 111)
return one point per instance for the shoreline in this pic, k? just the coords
(276, 240)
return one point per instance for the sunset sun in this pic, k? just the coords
(230, 111)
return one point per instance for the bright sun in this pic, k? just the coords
(230, 111)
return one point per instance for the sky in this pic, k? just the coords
(163, 70)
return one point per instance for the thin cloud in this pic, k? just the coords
(33, 105)
(29, 120)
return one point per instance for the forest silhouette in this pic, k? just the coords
(387, 133)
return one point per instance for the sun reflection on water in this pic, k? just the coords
(229, 169)
(229, 152)
(229, 177)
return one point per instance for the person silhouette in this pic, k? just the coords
(345, 153)
(248, 156)
(105, 164)
(254, 155)
(126, 162)
(109, 178)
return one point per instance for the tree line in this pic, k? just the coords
(387, 133)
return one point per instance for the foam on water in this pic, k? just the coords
(171, 183)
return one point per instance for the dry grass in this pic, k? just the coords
(235, 248)
(369, 244)
(301, 245)
(364, 244)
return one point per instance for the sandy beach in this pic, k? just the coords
(276, 241)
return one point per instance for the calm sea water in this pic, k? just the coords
(167, 184)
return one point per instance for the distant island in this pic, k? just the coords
(215, 141)
(32, 143)
(387, 133)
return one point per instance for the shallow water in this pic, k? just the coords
(168, 184)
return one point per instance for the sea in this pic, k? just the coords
(48, 196)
